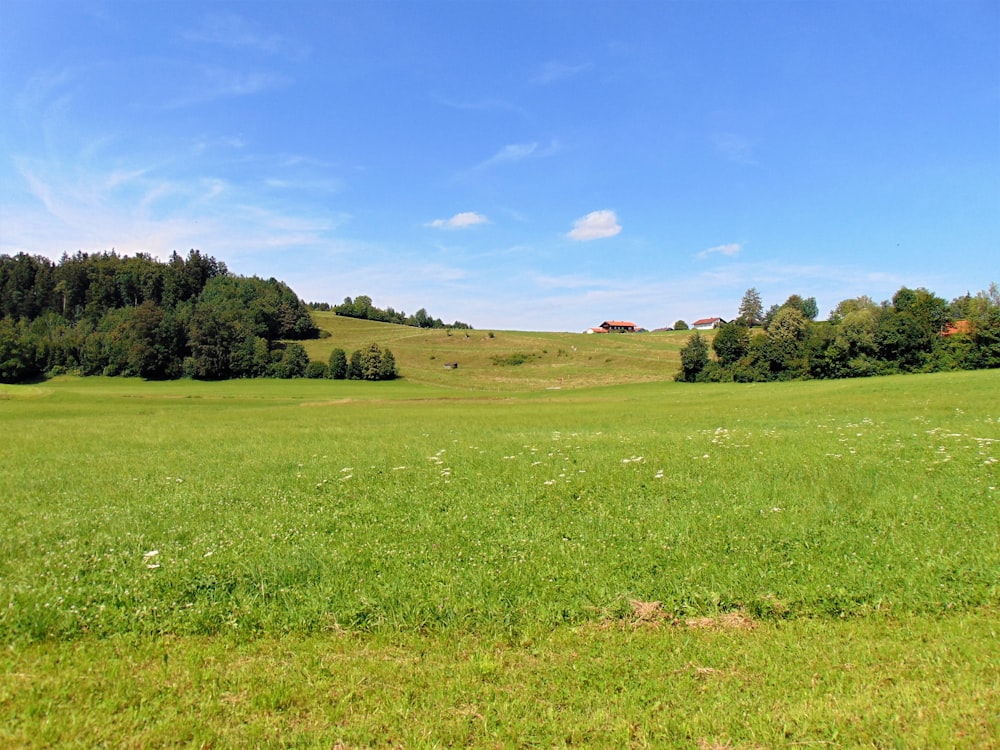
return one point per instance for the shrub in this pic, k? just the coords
(338, 365)
(316, 370)
(512, 360)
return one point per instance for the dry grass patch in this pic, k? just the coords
(728, 621)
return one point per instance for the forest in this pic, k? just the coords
(917, 331)
(106, 314)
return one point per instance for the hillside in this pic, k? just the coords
(551, 360)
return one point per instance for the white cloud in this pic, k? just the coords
(596, 225)
(729, 250)
(511, 152)
(459, 221)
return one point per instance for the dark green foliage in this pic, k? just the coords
(769, 315)
(807, 307)
(680, 325)
(731, 343)
(512, 360)
(362, 307)
(910, 334)
(354, 366)
(293, 362)
(316, 369)
(694, 359)
(338, 365)
(135, 316)
(17, 356)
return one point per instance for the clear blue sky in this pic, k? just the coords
(515, 165)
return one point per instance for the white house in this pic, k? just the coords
(706, 324)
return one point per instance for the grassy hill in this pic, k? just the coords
(508, 360)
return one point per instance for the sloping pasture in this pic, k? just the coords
(484, 358)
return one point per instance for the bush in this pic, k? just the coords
(316, 370)
(512, 360)
(694, 359)
(337, 369)
(293, 362)
(376, 363)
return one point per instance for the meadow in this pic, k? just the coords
(495, 562)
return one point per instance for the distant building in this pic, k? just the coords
(706, 324)
(618, 326)
(959, 326)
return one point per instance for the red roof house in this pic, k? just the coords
(618, 326)
(958, 326)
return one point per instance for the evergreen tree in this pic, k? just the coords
(751, 308)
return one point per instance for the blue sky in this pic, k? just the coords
(515, 165)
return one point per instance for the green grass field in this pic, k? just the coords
(552, 360)
(570, 551)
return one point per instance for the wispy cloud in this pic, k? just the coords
(235, 32)
(511, 152)
(596, 225)
(157, 209)
(729, 250)
(514, 152)
(222, 83)
(553, 71)
(459, 221)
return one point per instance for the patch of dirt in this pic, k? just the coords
(728, 621)
(335, 402)
(649, 613)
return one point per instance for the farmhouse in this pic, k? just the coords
(706, 324)
(614, 326)
(959, 326)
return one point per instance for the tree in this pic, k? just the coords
(847, 306)
(680, 325)
(694, 359)
(388, 369)
(354, 366)
(316, 369)
(337, 365)
(751, 308)
(809, 308)
(17, 358)
(731, 343)
(293, 363)
(377, 364)
(785, 339)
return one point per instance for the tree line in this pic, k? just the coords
(362, 307)
(371, 363)
(106, 314)
(916, 331)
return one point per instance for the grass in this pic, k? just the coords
(418, 564)
(486, 358)
(914, 682)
